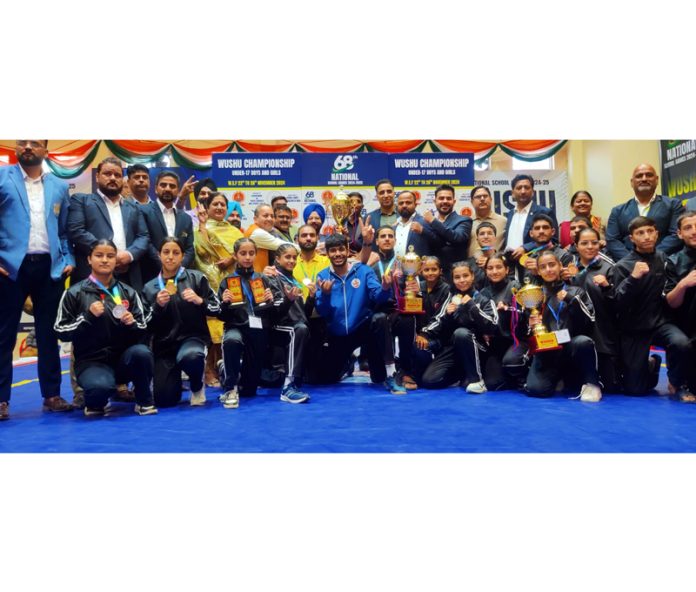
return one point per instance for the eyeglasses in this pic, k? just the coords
(481, 196)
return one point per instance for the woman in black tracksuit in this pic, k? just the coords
(179, 300)
(506, 359)
(568, 311)
(595, 275)
(467, 318)
(246, 308)
(105, 320)
(290, 326)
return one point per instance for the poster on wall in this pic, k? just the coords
(255, 179)
(678, 159)
(423, 173)
(550, 187)
(323, 175)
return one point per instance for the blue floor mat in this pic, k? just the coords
(356, 416)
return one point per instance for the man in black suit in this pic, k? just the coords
(163, 219)
(411, 228)
(518, 240)
(105, 214)
(663, 210)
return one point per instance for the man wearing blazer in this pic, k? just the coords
(385, 214)
(411, 229)
(35, 259)
(663, 210)
(106, 214)
(163, 219)
(519, 220)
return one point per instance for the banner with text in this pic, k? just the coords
(678, 159)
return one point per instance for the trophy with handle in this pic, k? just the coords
(531, 297)
(340, 210)
(411, 264)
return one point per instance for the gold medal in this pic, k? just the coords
(456, 300)
(171, 287)
(573, 269)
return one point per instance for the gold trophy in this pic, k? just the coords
(531, 296)
(340, 210)
(411, 264)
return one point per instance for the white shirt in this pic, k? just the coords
(169, 218)
(401, 230)
(116, 217)
(644, 209)
(516, 232)
(38, 234)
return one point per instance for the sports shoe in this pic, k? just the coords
(96, 411)
(4, 410)
(590, 393)
(684, 395)
(291, 394)
(476, 388)
(230, 399)
(56, 404)
(145, 409)
(394, 388)
(198, 398)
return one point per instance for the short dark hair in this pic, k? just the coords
(206, 202)
(109, 160)
(406, 191)
(172, 174)
(640, 222)
(299, 230)
(137, 168)
(385, 227)
(469, 264)
(335, 240)
(241, 241)
(357, 194)
(517, 178)
(498, 255)
(103, 242)
(382, 182)
(204, 182)
(445, 187)
(284, 247)
(583, 218)
(171, 239)
(684, 216)
(487, 225)
(282, 208)
(276, 198)
(577, 234)
(542, 217)
(475, 189)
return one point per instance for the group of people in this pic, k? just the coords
(157, 291)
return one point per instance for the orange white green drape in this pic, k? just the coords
(72, 159)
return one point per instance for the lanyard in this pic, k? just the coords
(179, 273)
(587, 267)
(381, 267)
(292, 282)
(247, 290)
(540, 248)
(304, 272)
(556, 313)
(115, 295)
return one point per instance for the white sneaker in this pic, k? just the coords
(230, 400)
(590, 393)
(476, 388)
(198, 398)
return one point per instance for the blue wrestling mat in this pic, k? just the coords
(356, 416)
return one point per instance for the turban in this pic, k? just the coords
(314, 208)
(232, 206)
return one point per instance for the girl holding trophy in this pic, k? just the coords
(468, 317)
(246, 306)
(560, 342)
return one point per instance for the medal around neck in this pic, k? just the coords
(171, 287)
(118, 311)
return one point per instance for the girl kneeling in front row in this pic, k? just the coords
(105, 321)
(568, 311)
(179, 300)
(468, 317)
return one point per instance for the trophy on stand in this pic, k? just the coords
(531, 297)
(411, 264)
(340, 210)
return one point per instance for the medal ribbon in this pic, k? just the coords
(115, 295)
(556, 313)
(179, 273)
(539, 248)
(304, 272)
(381, 267)
(247, 290)
(292, 282)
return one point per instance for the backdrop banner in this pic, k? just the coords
(678, 159)
(551, 190)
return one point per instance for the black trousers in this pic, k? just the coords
(373, 335)
(505, 364)
(403, 328)
(190, 358)
(575, 363)
(294, 341)
(635, 348)
(610, 373)
(243, 354)
(461, 360)
(99, 379)
(34, 279)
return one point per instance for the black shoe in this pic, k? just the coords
(684, 395)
